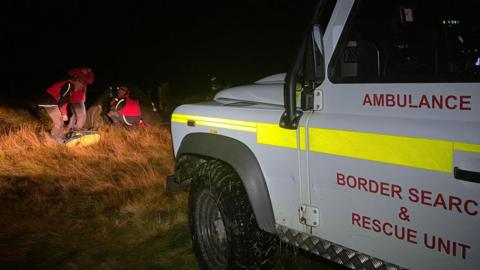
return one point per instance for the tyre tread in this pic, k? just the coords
(249, 246)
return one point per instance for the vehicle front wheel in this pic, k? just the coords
(224, 231)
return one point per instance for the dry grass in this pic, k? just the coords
(122, 160)
(99, 207)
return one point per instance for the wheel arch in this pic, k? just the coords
(243, 162)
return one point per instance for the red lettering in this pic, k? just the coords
(455, 201)
(378, 100)
(424, 102)
(389, 233)
(390, 100)
(369, 185)
(372, 186)
(400, 232)
(454, 249)
(351, 181)
(464, 102)
(437, 101)
(384, 189)
(356, 219)
(443, 245)
(446, 246)
(413, 195)
(377, 225)
(367, 100)
(340, 179)
(410, 102)
(362, 183)
(412, 236)
(429, 245)
(425, 196)
(428, 198)
(396, 191)
(467, 208)
(388, 229)
(464, 250)
(440, 201)
(399, 102)
(447, 102)
(450, 102)
(366, 222)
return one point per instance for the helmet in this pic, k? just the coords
(85, 74)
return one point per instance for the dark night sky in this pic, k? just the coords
(149, 42)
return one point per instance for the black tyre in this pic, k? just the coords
(224, 231)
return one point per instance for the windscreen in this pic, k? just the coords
(411, 41)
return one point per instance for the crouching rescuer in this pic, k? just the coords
(55, 99)
(125, 110)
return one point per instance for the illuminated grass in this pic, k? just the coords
(98, 207)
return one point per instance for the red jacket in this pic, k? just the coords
(60, 92)
(126, 106)
(78, 96)
(85, 73)
(87, 76)
(56, 91)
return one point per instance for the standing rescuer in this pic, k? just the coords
(124, 110)
(55, 100)
(77, 98)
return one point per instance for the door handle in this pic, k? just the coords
(466, 175)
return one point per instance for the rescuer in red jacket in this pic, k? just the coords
(124, 110)
(55, 100)
(77, 98)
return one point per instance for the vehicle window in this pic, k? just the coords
(313, 71)
(409, 41)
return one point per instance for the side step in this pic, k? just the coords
(347, 257)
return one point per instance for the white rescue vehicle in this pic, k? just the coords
(367, 152)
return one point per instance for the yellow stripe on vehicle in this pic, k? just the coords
(272, 134)
(435, 155)
(216, 122)
(303, 138)
(422, 153)
(269, 134)
(466, 147)
(225, 125)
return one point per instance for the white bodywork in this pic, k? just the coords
(268, 90)
(431, 237)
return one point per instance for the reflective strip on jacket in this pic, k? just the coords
(60, 91)
(127, 106)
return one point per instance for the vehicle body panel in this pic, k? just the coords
(401, 140)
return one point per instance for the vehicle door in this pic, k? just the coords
(393, 143)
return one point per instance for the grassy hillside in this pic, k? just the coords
(99, 207)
